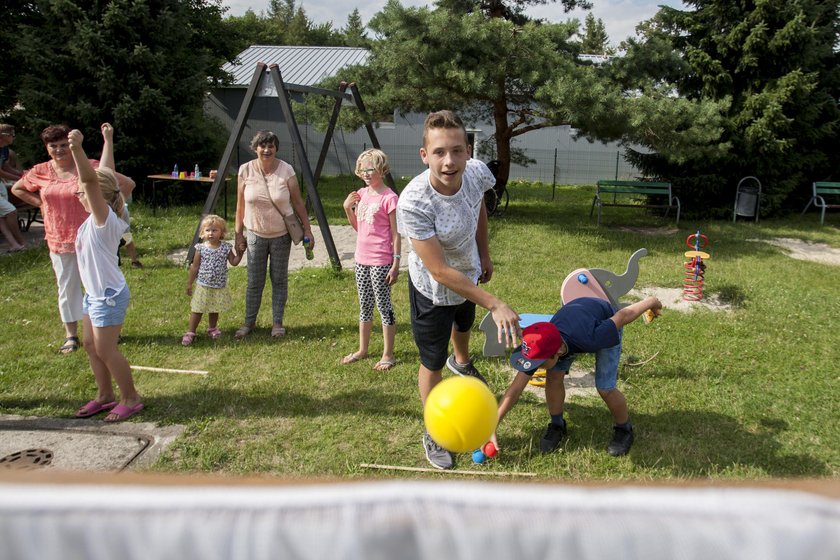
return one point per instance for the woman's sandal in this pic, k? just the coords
(188, 338)
(243, 331)
(214, 333)
(71, 344)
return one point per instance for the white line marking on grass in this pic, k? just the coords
(447, 471)
(170, 370)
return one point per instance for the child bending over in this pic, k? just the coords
(582, 325)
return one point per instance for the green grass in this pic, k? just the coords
(745, 394)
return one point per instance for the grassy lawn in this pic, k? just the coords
(742, 394)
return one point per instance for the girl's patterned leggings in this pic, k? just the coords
(372, 284)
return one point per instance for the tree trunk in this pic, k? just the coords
(503, 136)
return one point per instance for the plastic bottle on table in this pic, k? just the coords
(307, 245)
(197, 172)
(175, 170)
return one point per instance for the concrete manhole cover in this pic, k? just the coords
(27, 459)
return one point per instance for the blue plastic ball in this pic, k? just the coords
(478, 456)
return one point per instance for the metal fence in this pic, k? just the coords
(576, 165)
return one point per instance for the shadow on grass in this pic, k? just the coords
(203, 402)
(684, 443)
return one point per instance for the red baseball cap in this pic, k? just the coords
(540, 341)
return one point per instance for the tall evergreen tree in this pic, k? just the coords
(289, 25)
(145, 66)
(354, 32)
(775, 64)
(594, 39)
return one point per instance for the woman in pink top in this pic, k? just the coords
(52, 186)
(266, 186)
(372, 211)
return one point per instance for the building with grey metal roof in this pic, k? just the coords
(303, 66)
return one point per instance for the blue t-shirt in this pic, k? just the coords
(585, 325)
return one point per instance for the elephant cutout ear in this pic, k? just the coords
(581, 283)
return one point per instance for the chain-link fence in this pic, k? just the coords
(578, 166)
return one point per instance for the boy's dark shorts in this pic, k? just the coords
(432, 324)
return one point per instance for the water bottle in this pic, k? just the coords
(175, 170)
(307, 245)
(197, 172)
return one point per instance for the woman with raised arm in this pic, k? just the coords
(52, 186)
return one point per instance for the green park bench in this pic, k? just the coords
(643, 189)
(821, 190)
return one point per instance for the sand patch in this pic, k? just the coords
(579, 382)
(806, 250)
(671, 298)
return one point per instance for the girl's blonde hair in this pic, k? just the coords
(110, 189)
(377, 160)
(213, 220)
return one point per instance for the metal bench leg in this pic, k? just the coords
(596, 202)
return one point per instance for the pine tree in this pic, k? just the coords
(484, 59)
(354, 32)
(595, 39)
(774, 65)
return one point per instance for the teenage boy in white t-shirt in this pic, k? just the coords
(442, 213)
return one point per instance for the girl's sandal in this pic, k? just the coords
(351, 358)
(188, 337)
(214, 333)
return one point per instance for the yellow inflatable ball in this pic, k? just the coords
(460, 414)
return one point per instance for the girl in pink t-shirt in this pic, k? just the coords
(372, 211)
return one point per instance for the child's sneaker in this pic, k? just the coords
(552, 438)
(621, 442)
(188, 338)
(214, 333)
(466, 370)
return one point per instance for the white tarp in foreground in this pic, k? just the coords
(407, 520)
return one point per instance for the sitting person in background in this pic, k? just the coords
(9, 174)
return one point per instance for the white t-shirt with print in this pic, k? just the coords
(422, 212)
